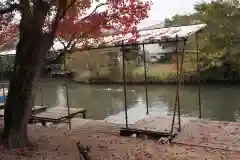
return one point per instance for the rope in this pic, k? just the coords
(41, 96)
(177, 95)
(145, 80)
(69, 118)
(179, 83)
(177, 99)
(124, 88)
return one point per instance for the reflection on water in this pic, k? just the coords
(61, 98)
(137, 112)
(107, 102)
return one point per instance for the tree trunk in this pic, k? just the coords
(29, 62)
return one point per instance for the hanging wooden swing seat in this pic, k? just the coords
(57, 115)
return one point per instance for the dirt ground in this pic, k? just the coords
(59, 143)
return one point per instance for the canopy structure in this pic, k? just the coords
(147, 37)
(155, 36)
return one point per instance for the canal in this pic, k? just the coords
(107, 101)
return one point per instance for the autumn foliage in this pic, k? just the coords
(83, 20)
(8, 30)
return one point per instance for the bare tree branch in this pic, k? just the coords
(98, 6)
(9, 9)
(59, 39)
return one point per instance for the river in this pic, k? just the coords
(107, 101)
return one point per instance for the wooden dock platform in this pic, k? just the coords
(57, 115)
(35, 110)
(212, 134)
(155, 127)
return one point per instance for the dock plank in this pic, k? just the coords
(155, 127)
(214, 134)
(160, 124)
(57, 114)
(35, 110)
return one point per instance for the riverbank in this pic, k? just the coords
(202, 82)
(57, 142)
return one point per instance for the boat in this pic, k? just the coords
(3, 94)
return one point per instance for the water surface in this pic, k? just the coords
(107, 101)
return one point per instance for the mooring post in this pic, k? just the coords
(199, 80)
(145, 79)
(69, 118)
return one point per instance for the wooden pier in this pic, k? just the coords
(194, 132)
(43, 115)
(57, 115)
(35, 110)
(155, 127)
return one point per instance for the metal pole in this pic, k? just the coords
(69, 118)
(124, 88)
(199, 81)
(145, 78)
(177, 92)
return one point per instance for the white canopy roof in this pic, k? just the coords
(163, 33)
(146, 35)
(8, 52)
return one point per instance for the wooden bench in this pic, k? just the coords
(57, 115)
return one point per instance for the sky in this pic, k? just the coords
(162, 9)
